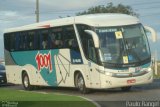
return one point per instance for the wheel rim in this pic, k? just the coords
(80, 83)
(26, 81)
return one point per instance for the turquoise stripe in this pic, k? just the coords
(29, 57)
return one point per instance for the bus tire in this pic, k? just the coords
(26, 82)
(80, 84)
(128, 88)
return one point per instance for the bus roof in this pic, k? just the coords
(98, 20)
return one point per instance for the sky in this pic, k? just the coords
(14, 13)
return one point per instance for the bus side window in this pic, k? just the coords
(44, 44)
(91, 51)
(24, 44)
(57, 38)
(36, 41)
(31, 40)
(7, 41)
(12, 44)
(52, 40)
(70, 38)
(87, 42)
(21, 42)
(16, 38)
(84, 37)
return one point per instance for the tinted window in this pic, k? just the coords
(53, 38)
(30, 41)
(23, 41)
(17, 41)
(7, 41)
(57, 37)
(44, 39)
(84, 37)
(70, 40)
(36, 41)
(87, 43)
(12, 42)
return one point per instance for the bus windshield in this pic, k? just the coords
(124, 44)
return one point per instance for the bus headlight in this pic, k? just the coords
(108, 73)
(149, 69)
(101, 71)
(105, 72)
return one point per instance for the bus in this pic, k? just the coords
(97, 51)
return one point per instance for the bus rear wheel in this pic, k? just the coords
(80, 84)
(128, 88)
(26, 82)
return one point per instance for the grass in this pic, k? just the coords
(157, 76)
(35, 99)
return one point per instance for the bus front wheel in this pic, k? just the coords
(26, 82)
(80, 84)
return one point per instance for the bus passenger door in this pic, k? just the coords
(92, 66)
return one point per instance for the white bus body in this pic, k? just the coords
(88, 64)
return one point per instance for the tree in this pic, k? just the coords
(109, 8)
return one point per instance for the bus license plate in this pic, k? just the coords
(132, 81)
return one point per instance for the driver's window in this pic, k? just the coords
(91, 51)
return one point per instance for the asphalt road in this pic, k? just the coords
(114, 97)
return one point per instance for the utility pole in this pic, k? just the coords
(37, 11)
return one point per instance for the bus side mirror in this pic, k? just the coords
(94, 36)
(152, 31)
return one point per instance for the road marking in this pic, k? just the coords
(94, 102)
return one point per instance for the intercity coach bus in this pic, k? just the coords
(97, 51)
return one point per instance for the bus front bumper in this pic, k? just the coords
(115, 82)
